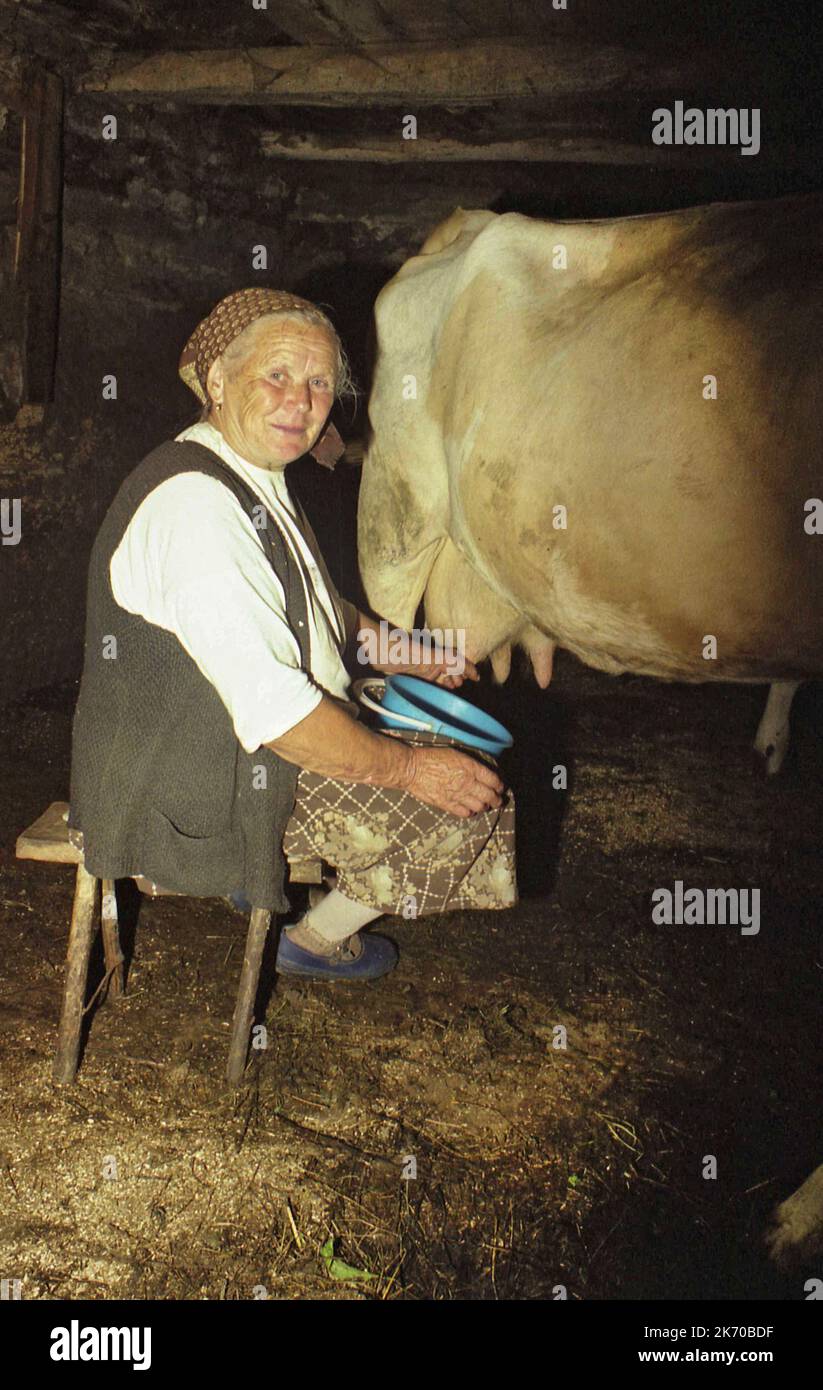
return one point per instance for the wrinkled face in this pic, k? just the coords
(276, 396)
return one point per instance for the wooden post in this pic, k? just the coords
(249, 980)
(37, 246)
(81, 936)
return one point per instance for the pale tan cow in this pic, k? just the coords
(606, 436)
(796, 1232)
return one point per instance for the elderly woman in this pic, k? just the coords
(214, 732)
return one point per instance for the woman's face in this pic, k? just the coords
(276, 398)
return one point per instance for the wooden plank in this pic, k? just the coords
(48, 838)
(476, 71)
(550, 149)
(305, 871)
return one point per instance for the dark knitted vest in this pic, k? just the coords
(160, 784)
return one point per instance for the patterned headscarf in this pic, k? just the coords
(226, 321)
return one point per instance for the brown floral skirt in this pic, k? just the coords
(397, 855)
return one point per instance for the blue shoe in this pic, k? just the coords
(377, 957)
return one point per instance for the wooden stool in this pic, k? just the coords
(48, 839)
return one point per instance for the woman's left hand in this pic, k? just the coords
(430, 664)
(448, 666)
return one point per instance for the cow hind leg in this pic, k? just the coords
(772, 739)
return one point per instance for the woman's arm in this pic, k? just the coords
(332, 743)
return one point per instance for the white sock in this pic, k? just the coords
(338, 917)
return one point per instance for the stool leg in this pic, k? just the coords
(81, 935)
(111, 939)
(249, 979)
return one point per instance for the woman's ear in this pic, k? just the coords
(215, 382)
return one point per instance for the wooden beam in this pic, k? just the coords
(560, 148)
(455, 74)
(37, 243)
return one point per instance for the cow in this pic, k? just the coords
(796, 1232)
(606, 436)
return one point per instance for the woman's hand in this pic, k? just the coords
(431, 662)
(452, 781)
(440, 672)
(330, 742)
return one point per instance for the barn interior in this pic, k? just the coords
(153, 157)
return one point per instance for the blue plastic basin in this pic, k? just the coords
(443, 712)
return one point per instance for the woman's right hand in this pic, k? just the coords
(452, 781)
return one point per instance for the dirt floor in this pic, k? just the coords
(538, 1169)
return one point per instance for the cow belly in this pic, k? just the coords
(712, 635)
(649, 627)
(698, 571)
(715, 644)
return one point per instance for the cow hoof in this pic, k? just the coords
(796, 1232)
(774, 729)
(770, 758)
